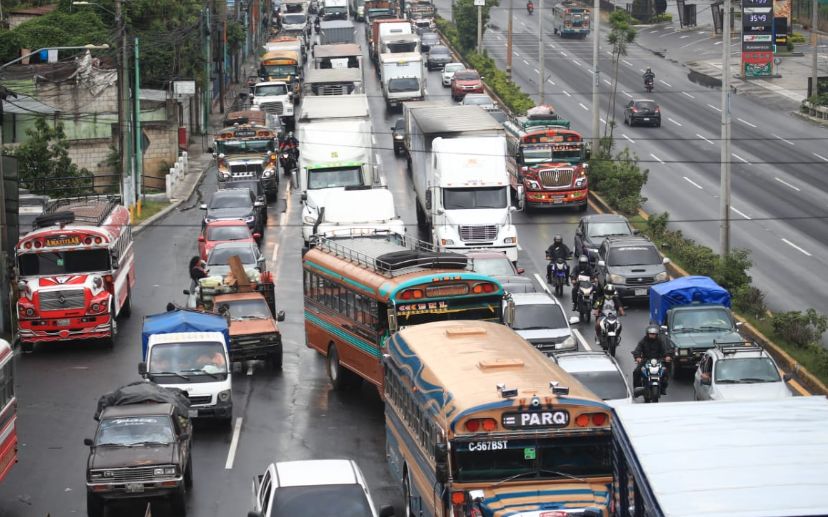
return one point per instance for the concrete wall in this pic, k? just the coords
(161, 153)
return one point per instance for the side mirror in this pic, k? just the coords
(386, 510)
(303, 197)
(663, 328)
(739, 324)
(481, 77)
(787, 377)
(258, 203)
(574, 320)
(243, 95)
(441, 473)
(520, 270)
(280, 316)
(88, 442)
(290, 95)
(440, 453)
(579, 232)
(186, 292)
(705, 380)
(203, 206)
(257, 235)
(184, 437)
(142, 369)
(428, 200)
(200, 238)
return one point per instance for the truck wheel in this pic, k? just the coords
(26, 346)
(178, 503)
(340, 377)
(188, 473)
(109, 342)
(275, 359)
(582, 208)
(94, 506)
(126, 309)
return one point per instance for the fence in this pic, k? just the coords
(802, 10)
(177, 173)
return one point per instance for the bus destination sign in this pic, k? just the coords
(535, 419)
(244, 133)
(63, 240)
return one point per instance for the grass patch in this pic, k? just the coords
(149, 209)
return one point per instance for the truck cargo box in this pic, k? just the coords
(182, 321)
(683, 291)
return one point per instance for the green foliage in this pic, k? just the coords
(56, 29)
(236, 36)
(657, 225)
(731, 271)
(798, 328)
(750, 301)
(818, 100)
(796, 37)
(465, 16)
(791, 46)
(621, 35)
(663, 18)
(618, 177)
(44, 162)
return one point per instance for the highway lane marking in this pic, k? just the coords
(582, 105)
(580, 337)
(794, 246)
(567, 94)
(673, 121)
(718, 43)
(603, 121)
(275, 250)
(234, 444)
(563, 53)
(627, 62)
(609, 83)
(715, 108)
(628, 138)
(685, 93)
(666, 83)
(518, 55)
(706, 140)
(577, 63)
(740, 213)
(786, 141)
(591, 71)
(551, 46)
(682, 37)
(499, 38)
(374, 139)
(788, 184)
(542, 283)
(821, 157)
(627, 94)
(550, 82)
(657, 158)
(527, 64)
(282, 218)
(693, 183)
(745, 122)
(740, 158)
(535, 69)
(610, 53)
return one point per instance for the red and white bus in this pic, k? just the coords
(8, 410)
(75, 272)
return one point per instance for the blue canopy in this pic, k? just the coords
(683, 291)
(182, 321)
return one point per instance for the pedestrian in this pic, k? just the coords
(197, 271)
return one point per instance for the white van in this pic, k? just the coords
(354, 212)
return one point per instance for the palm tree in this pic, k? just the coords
(621, 35)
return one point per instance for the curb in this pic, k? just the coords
(816, 386)
(143, 225)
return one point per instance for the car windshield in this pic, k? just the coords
(231, 147)
(403, 84)
(220, 255)
(316, 500)
(348, 176)
(229, 233)
(50, 263)
(702, 320)
(230, 200)
(634, 256)
(499, 266)
(430, 37)
(271, 89)
(466, 76)
(607, 385)
(453, 68)
(247, 309)
(746, 370)
(474, 198)
(294, 19)
(610, 228)
(481, 100)
(134, 430)
(438, 50)
(539, 316)
(197, 361)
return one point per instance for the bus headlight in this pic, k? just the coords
(580, 182)
(224, 174)
(534, 185)
(268, 172)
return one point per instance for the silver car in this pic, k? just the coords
(540, 320)
(448, 72)
(600, 374)
(739, 371)
(438, 57)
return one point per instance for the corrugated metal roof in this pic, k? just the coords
(343, 50)
(25, 105)
(322, 108)
(455, 119)
(320, 75)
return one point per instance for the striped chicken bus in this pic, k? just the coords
(479, 423)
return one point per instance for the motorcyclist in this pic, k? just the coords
(609, 302)
(290, 143)
(555, 250)
(316, 25)
(582, 268)
(530, 6)
(651, 347)
(648, 75)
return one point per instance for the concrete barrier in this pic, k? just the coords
(177, 173)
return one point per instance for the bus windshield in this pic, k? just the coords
(50, 263)
(279, 70)
(527, 459)
(244, 147)
(489, 309)
(541, 154)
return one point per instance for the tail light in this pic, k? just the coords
(87, 241)
(484, 287)
(658, 110)
(597, 419)
(634, 110)
(488, 424)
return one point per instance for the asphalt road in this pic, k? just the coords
(779, 193)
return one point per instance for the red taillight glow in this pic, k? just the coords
(98, 240)
(582, 420)
(484, 287)
(634, 110)
(472, 425)
(599, 418)
(412, 294)
(87, 241)
(489, 424)
(28, 245)
(658, 110)
(38, 244)
(458, 497)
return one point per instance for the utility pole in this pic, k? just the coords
(123, 109)
(541, 58)
(724, 195)
(139, 175)
(595, 19)
(223, 58)
(479, 27)
(509, 45)
(815, 42)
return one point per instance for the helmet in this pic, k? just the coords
(652, 330)
(290, 134)
(649, 69)
(583, 260)
(609, 290)
(558, 239)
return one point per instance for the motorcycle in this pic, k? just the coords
(560, 272)
(652, 373)
(609, 336)
(648, 84)
(530, 7)
(287, 158)
(583, 297)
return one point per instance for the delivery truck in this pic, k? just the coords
(402, 78)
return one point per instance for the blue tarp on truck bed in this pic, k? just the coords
(182, 321)
(682, 291)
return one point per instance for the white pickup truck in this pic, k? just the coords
(274, 97)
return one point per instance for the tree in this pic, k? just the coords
(621, 34)
(465, 16)
(44, 163)
(617, 177)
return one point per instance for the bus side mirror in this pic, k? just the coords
(440, 453)
(280, 316)
(441, 473)
(142, 369)
(428, 200)
(392, 321)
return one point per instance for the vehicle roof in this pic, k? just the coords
(645, 100)
(605, 217)
(577, 362)
(750, 352)
(325, 108)
(732, 459)
(336, 24)
(339, 50)
(542, 298)
(316, 472)
(320, 75)
(487, 255)
(156, 409)
(466, 70)
(621, 240)
(240, 296)
(455, 119)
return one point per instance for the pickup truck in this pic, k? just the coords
(141, 448)
(693, 313)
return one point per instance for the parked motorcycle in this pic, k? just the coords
(560, 273)
(530, 7)
(584, 297)
(652, 373)
(648, 84)
(609, 335)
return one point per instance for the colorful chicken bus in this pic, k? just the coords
(75, 272)
(479, 423)
(360, 290)
(248, 151)
(8, 410)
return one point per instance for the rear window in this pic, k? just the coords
(648, 105)
(438, 50)
(466, 76)
(607, 385)
(634, 256)
(318, 500)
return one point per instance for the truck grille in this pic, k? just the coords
(272, 107)
(478, 233)
(333, 89)
(641, 280)
(556, 178)
(131, 475)
(246, 170)
(62, 299)
(201, 400)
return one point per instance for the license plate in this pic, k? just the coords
(646, 119)
(63, 323)
(641, 292)
(557, 201)
(192, 413)
(611, 334)
(134, 488)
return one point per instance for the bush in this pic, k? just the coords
(663, 18)
(750, 301)
(798, 328)
(796, 37)
(657, 225)
(730, 272)
(618, 178)
(791, 46)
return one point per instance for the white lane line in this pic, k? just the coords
(535, 69)
(567, 94)
(374, 139)
(657, 158)
(740, 158)
(665, 83)
(550, 82)
(609, 83)
(685, 93)
(275, 250)
(234, 444)
(715, 108)
(745, 121)
(551, 46)
(582, 105)
(541, 282)
(821, 157)
(627, 94)
(577, 63)
(250, 368)
(693, 183)
(682, 37)
(673, 121)
(527, 63)
(789, 243)
(499, 38)
(786, 141)
(788, 184)
(376, 157)
(591, 71)
(282, 218)
(628, 138)
(740, 213)
(610, 53)
(563, 53)
(718, 43)
(518, 55)
(706, 140)
(580, 337)
(627, 62)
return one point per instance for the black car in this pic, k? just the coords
(593, 229)
(398, 134)
(255, 185)
(438, 56)
(632, 264)
(236, 203)
(428, 40)
(642, 111)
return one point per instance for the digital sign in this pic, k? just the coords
(757, 28)
(746, 4)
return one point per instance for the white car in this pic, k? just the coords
(479, 99)
(448, 72)
(600, 374)
(540, 320)
(739, 372)
(314, 487)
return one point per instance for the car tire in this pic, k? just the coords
(407, 512)
(658, 124)
(582, 208)
(188, 473)
(94, 505)
(109, 342)
(178, 503)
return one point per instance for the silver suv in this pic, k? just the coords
(540, 320)
(739, 371)
(632, 264)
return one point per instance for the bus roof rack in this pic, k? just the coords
(734, 347)
(91, 209)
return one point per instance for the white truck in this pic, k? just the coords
(402, 77)
(335, 151)
(335, 10)
(398, 43)
(458, 166)
(274, 97)
(359, 212)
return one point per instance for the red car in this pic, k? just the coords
(465, 81)
(231, 230)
